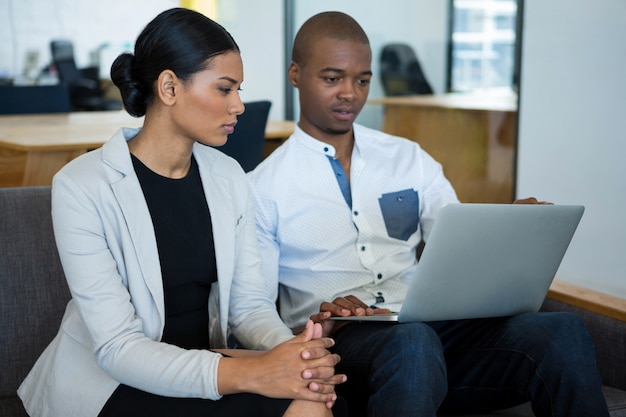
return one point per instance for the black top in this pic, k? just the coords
(184, 235)
(182, 224)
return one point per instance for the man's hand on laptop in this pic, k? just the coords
(530, 200)
(343, 307)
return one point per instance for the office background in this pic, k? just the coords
(572, 114)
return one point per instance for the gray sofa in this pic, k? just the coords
(33, 291)
(33, 295)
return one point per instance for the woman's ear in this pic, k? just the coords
(167, 87)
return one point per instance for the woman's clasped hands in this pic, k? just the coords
(301, 368)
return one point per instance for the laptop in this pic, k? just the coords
(487, 260)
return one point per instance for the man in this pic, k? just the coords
(340, 212)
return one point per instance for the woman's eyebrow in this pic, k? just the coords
(229, 79)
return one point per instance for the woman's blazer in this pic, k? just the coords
(112, 326)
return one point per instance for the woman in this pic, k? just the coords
(157, 239)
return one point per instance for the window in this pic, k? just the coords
(482, 52)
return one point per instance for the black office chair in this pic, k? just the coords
(84, 86)
(247, 142)
(33, 99)
(401, 72)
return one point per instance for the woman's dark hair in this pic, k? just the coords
(178, 39)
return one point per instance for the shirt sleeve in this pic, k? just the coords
(266, 224)
(253, 315)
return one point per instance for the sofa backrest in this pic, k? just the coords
(33, 290)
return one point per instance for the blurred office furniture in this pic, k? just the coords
(276, 133)
(34, 147)
(472, 136)
(401, 72)
(247, 142)
(30, 99)
(86, 93)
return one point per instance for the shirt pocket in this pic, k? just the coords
(400, 211)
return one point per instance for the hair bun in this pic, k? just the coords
(131, 90)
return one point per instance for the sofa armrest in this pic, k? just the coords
(588, 299)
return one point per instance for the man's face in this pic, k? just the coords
(333, 84)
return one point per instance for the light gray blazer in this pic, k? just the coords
(112, 326)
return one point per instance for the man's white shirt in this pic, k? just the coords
(320, 248)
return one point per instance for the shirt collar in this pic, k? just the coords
(322, 147)
(313, 144)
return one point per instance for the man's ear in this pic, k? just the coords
(167, 87)
(293, 74)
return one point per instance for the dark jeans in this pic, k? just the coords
(419, 369)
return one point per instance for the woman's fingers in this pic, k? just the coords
(316, 352)
(319, 372)
(327, 386)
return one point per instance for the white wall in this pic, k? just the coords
(258, 28)
(29, 25)
(572, 137)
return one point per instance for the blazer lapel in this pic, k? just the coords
(217, 189)
(129, 195)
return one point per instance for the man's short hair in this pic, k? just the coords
(333, 25)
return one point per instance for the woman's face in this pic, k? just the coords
(206, 110)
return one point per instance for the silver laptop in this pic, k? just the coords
(487, 260)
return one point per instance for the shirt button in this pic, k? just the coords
(380, 276)
(362, 248)
(325, 149)
(356, 213)
(399, 198)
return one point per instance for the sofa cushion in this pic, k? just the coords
(33, 291)
(616, 399)
(12, 407)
